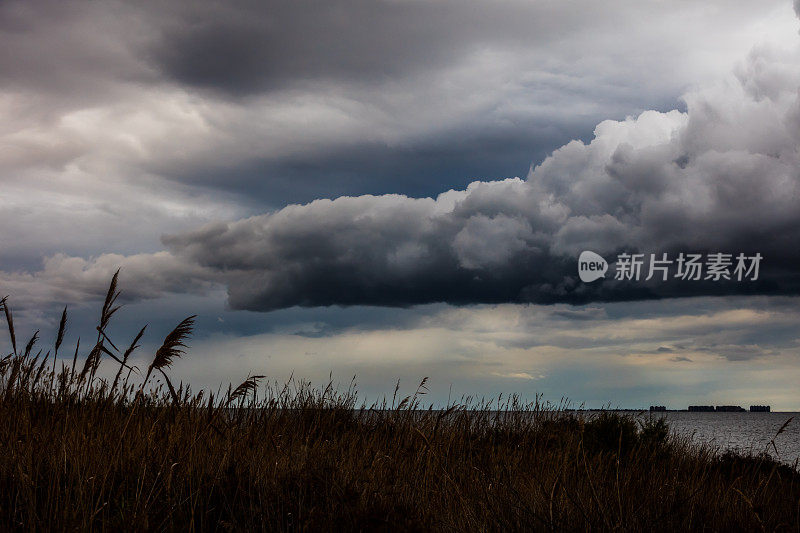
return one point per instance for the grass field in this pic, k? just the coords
(80, 452)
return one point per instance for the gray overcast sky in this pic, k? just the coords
(400, 189)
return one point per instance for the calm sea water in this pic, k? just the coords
(747, 432)
(743, 432)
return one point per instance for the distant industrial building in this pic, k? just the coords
(701, 408)
(721, 408)
(658, 408)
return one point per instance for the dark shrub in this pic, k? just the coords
(610, 432)
(655, 432)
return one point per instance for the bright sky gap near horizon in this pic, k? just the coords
(401, 189)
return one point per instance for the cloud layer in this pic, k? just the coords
(372, 140)
(200, 112)
(723, 176)
(720, 350)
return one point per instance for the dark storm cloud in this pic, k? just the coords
(394, 60)
(246, 47)
(721, 177)
(415, 168)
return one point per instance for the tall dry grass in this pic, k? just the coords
(80, 452)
